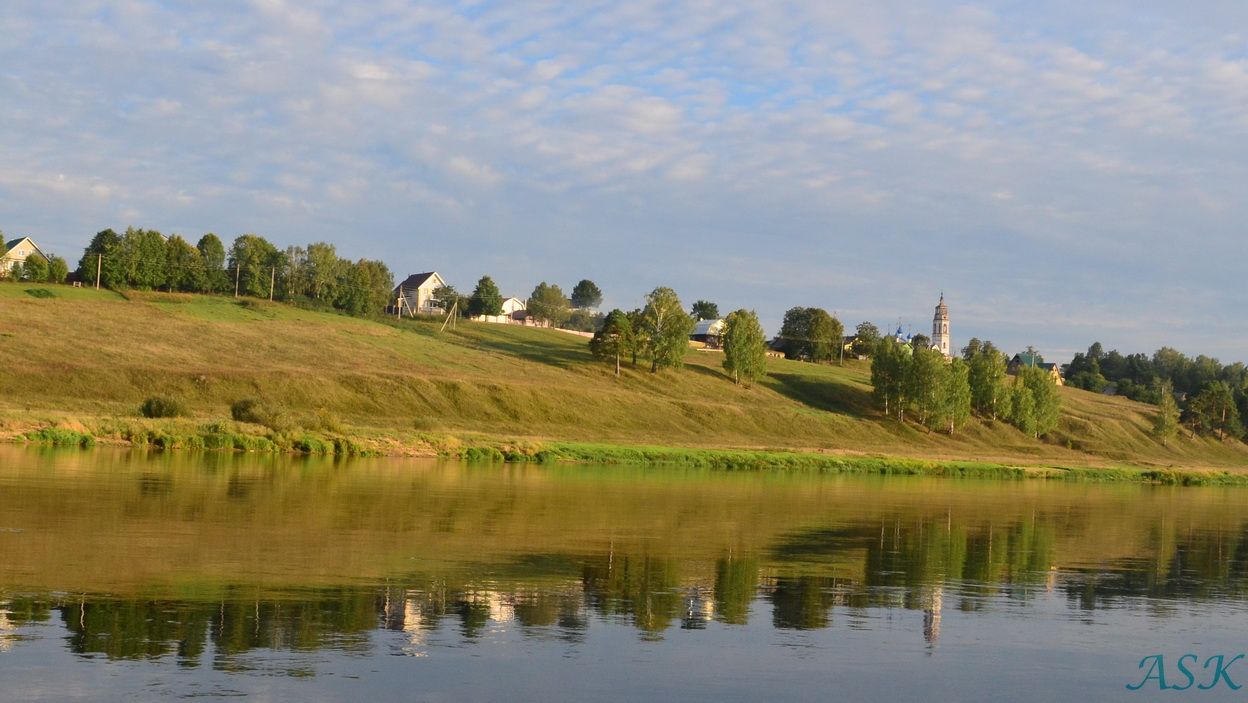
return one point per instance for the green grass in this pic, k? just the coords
(83, 357)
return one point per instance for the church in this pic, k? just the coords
(940, 328)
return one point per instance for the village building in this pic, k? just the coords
(708, 332)
(414, 296)
(513, 313)
(17, 251)
(1032, 359)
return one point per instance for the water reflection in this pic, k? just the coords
(140, 557)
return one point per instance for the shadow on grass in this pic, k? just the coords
(558, 356)
(821, 394)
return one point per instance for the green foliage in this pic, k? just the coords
(60, 437)
(866, 336)
(665, 329)
(1166, 422)
(745, 347)
(252, 261)
(272, 416)
(954, 409)
(162, 406)
(548, 304)
(58, 269)
(449, 298)
(145, 258)
(212, 256)
(924, 388)
(1214, 412)
(486, 298)
(105, 254)
(584, 320)
(34, 270)
(614, 339)
(704, 310)
(483, 455)
(321, 272)
(586, 294)
(986, 376)
(890, 362)
(811, 334)
(184, 266)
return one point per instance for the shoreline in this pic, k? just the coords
(186, 435)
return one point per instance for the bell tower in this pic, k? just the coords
(940, 328)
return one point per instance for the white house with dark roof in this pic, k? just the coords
(415, 294)
(17, 251)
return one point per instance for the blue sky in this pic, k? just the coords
(1065, 172)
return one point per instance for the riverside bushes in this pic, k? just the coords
(162, 406)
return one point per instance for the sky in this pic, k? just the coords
(1064, 172)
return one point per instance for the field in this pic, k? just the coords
(84, 360)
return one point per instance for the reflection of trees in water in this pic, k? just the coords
(1199, 565)
(892, 564)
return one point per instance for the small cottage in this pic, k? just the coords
(16, 251)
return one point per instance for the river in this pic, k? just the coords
(128, 575)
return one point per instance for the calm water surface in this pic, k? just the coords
(149, 576)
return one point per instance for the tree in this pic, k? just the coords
(252, 260)
(827, 334)
(665, 328)
(986, 374)
(584, 320)
(745, 347)
(58, 268)
(184, 267)
(377, 281)
(212, 255)
(34, 269)
(889, 369)
(146, 264)
(795, 333)
(1166, 423)
(104, 254)
(449, 298)
(704, 310)
(548, 304)
(924, 382)
(322, 270)
(485, 299)
(921, 341)
(1214, 410)
(586, 295)
(614, 338)
(954, 408)
(635, 318)
(866, 336)
(1036, 404)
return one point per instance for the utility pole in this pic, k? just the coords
(99, 267)
(236, 268)
(272, 281)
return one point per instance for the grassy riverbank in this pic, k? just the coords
(82, 361)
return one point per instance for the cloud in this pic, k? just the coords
(906, 146)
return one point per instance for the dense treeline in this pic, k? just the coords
(811, 334)
(1202, 394)
(252, 266)
(939, 394)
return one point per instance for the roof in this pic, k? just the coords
(1029, 359)
(708, 327)
(12, 244)
(416, 280)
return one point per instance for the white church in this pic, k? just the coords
(941, 341)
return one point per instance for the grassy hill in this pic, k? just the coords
(86, 359)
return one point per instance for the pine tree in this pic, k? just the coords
(614, 338)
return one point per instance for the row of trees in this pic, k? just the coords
(1208, 397)
(252, 266)
(943, 395)
(658, 332)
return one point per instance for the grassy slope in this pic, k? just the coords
(87, 354)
